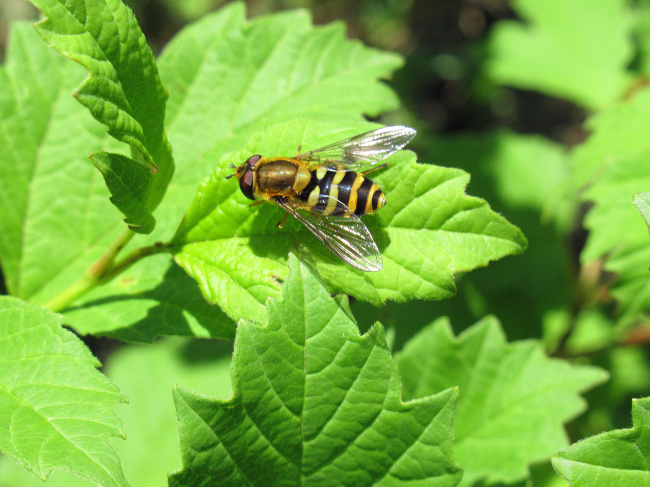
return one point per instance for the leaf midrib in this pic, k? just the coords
(30, 184)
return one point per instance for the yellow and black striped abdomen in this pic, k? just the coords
(360, 194)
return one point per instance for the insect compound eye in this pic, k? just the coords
(246, 183)
(252, 160)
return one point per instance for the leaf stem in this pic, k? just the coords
(63, 299)
(132, 258)
(103, 270)
(96, 270)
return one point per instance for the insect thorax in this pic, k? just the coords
(280, 177)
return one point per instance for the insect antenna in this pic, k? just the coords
(231, 175)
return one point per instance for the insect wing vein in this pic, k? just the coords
(347, 237)
(360, 150)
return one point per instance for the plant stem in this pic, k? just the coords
(96, 270)
(63, 299)
(103, 270)
(132, 258)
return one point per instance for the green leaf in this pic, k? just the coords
(577, 50)
(55, 407)
(151, 446)
(613, 161)
(642, 203)
(48, 184)
(428, 231)
(513, 400)
(123, 89)
(615, 232)
(52, 199)
(228, 78)
(314, 403)
(130, 184)
(613, 458)
(525, 178)
(617, 134)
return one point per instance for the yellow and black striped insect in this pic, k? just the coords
(322, 191)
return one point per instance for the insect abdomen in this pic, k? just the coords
(360, 194)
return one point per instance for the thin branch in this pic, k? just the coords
(132, 258)
(103, 270)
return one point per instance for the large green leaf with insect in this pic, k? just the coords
(228, 78)
(314, 403)
(56, 408)
(512, 399)
(618, 457)
(428, 231)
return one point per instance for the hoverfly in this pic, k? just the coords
(322, 191)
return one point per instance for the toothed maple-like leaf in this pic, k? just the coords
(512, 402)
(428, 231)
(616, 458)
(56, 408)
(314, 403)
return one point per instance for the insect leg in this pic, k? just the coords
(284, 219)
(374, 169)
(258, 202)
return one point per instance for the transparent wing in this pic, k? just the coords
(360, 150)
(347, 237)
